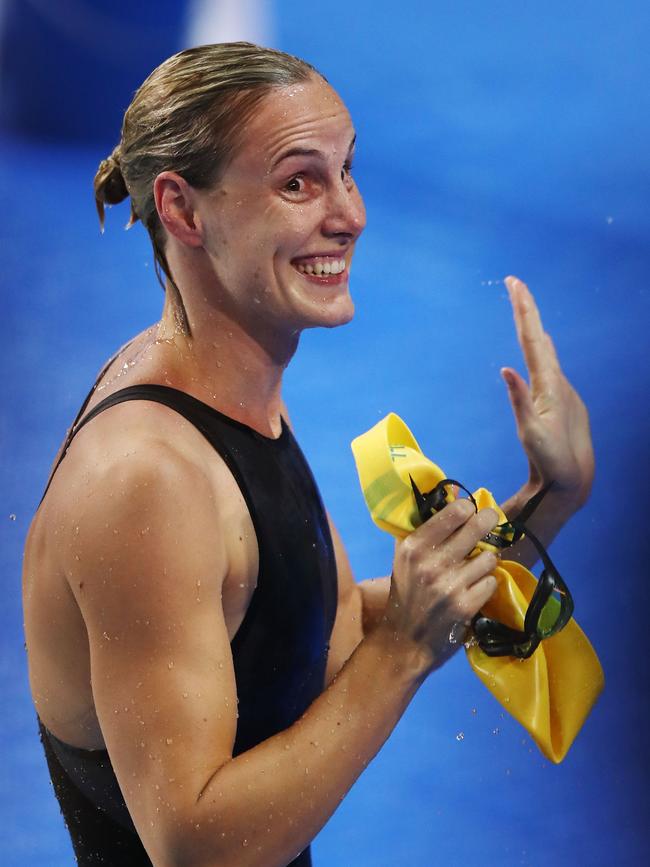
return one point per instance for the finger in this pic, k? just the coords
(465, 538)
(552, 352)
(443, 524)
(476, 568)
(530, 331)
(475, 597)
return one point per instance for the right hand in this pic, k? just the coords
(435, 591)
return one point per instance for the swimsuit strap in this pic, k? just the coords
(74, 427)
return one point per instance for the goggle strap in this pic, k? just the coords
(436, 499)
(529, 507)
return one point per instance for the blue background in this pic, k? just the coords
(494, 138)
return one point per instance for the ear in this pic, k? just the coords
(175, 205)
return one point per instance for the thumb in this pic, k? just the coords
(519, 395)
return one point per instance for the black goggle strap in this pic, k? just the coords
(519, 521)
(517, 525)
(549, 581)
(436, 499)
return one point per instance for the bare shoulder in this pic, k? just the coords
(138, 484)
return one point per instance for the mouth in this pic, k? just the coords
(322, 270)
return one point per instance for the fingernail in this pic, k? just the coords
(507, 377)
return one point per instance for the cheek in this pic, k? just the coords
(299, 221)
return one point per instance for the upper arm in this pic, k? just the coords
(147, 565)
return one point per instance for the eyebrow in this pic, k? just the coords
(306, 152)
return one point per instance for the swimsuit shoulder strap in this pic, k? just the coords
(72, 430)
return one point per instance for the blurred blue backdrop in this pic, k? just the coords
(493, 138)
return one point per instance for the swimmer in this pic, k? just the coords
(208, 677)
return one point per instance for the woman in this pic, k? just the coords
(187, 604)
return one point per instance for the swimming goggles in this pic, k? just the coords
(551, 605)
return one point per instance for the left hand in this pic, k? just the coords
(552, 421)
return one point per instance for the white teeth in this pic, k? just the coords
(322, 269)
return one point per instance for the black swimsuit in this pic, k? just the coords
(280, 649)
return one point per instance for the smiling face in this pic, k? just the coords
(279, 227)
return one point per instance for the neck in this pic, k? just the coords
(226, 365)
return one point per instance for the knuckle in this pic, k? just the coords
(461, 509)
(488, 518)
(407, 545)
(408, 548)
(489, 560)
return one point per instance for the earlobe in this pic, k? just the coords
(175, 207)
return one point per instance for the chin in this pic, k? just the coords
(333, 314)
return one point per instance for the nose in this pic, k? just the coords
(345, 215)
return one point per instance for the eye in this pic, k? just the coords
(295, 184)
(346, 171)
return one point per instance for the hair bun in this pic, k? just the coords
(110, 186)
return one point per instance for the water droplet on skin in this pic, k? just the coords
(460, 736)
(169, 741)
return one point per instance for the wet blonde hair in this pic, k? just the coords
(187, 117)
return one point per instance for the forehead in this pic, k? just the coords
(307, 114)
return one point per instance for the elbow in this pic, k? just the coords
(212, 841)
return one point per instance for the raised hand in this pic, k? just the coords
(552, 421)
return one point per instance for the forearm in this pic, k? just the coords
(266, 805)
(374, 596)
(548, 519)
